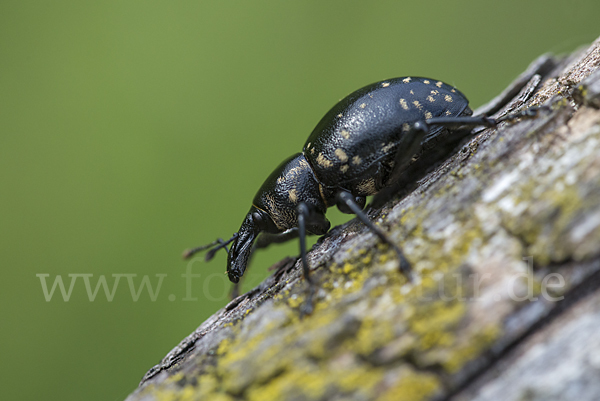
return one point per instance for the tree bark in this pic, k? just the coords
(504, 239)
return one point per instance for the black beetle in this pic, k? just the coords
(375, 141)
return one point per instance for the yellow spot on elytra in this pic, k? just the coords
(448, 112)
(341, 155)
(280, 180)
(385, 84)
(406, 80)
(434, 92)
(405, 127)
(345, 134)
(308, 146)
(453, 91)
(448, 98)
(340, 115)
(344, 168)
(411, 92)
(363, 105)
(439, 84)
(386, 148)
(428, 115)
(356, 160)
(431, 98)
(417, 104)
(323, 162)
(403, 104)
(426, 82)
(292, 195)
(312, 151)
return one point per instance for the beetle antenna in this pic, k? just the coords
(222, 244)
(215, 245)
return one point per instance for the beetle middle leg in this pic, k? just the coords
(347, 199)
(427, 142)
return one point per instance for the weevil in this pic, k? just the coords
(376, 141)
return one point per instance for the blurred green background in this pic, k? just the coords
(131, 130)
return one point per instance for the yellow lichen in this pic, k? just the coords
(459, 355)
(315, 382)
(295, 301)
(412, 386)
(373, 334)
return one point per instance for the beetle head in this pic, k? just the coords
(274, 210)
(256, 221)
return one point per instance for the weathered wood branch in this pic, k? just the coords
(505, 241)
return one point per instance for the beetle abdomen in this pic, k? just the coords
(357, 139)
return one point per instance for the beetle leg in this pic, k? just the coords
(265, 239)
(479, 120)
(458, 122)
(303, 214)
(359, 200)
(412, 160)
(348, 199)
(408, 146)
(530, 112)
(309, 221)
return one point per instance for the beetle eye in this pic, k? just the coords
(263, 222)
(258, 220)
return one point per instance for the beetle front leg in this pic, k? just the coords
(265, 239)
(303, 214)
(314, 222)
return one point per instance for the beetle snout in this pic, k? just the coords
(241, 248)
(238, 257)
(233, 277)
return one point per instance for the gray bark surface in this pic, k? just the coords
(505, 301)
